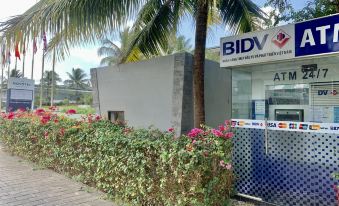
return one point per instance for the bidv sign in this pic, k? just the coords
(313, 37)
(258, 47)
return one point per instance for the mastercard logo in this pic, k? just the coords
(315, 127)
(282, 125)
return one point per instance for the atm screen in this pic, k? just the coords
(295, 115)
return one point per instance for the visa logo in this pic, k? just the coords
(271, 125)
(243, 45)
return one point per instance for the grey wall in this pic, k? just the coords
(158, 92)
(143, 90)
(218, 93)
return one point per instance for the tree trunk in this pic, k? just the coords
(199, 63)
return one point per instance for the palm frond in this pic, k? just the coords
(80, 21)
(156, 21)
(238, 14)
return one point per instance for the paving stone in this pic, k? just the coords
(22, 184)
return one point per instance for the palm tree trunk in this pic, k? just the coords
(199, 63)
(53, 86)
(41, 80)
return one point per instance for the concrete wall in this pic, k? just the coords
(159, 92)
(218, 93)
(143, 90)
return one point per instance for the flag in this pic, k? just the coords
(17, 53)
(35, 48)
(44, 39)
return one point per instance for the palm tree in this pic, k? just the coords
(47, 80)
(77, 79)
(81, 22)
(177, 44)
(112, 53)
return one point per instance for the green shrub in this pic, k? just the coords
(137, 166)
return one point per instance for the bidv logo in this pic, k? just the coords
(255, 124)
(327, 92)
(281, 38)
(244, 45)
(334, 128)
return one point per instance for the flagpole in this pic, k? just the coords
(16, 63)
(2, 85)
(9, 70)
(42, 76)
(32, 67)
(23, 65)
(53, 68)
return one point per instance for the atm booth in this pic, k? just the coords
(285, 111)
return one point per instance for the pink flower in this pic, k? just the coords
(194, 141)
(222, 128)
(11, 116)
(52, 108)
(62, 131)
(71, 111)
(228, 166)
(170, 129)
(227, 122)
(97, 118)
(46, 134)
(229, 135)
(217, 133)
(222, 163)
(22, 110)
(45, 119)
(195, 132)
(39, 112)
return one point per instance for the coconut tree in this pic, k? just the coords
(77, 80)
(113, 54)
(78, 22)
(49, 81)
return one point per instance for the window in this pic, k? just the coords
(116, 116)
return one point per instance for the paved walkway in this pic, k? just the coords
(23, 184)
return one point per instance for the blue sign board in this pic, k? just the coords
(313, 37)
(317, 36)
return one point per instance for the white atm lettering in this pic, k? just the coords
(308, 37)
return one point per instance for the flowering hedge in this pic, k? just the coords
(138, 166)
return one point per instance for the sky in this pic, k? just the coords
(86, 57)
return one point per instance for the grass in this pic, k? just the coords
(79, 110)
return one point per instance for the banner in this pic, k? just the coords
(314, 37)
(287, 126)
